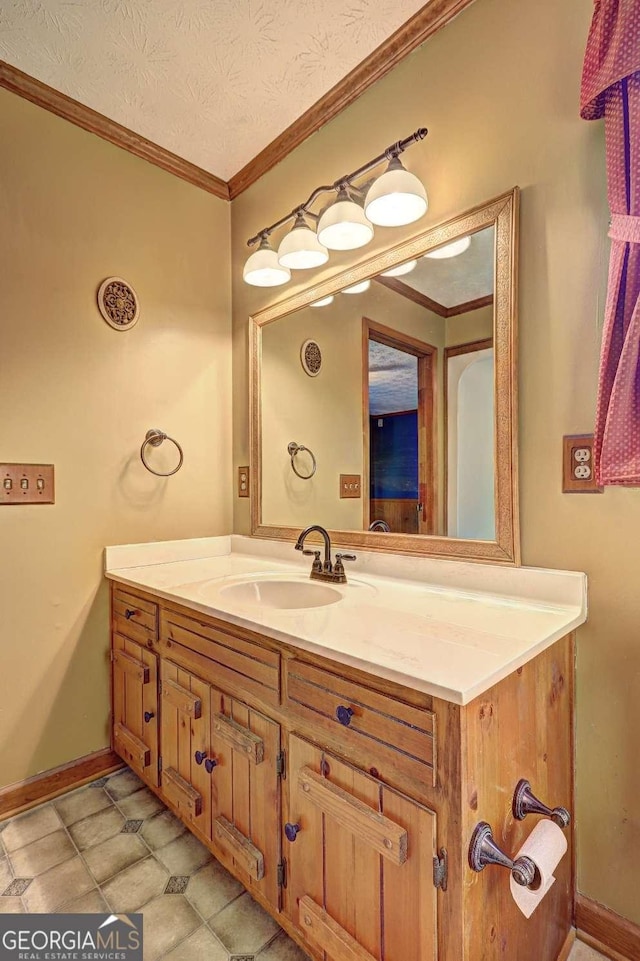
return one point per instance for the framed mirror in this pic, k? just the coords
(384, 400)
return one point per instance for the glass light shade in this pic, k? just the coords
(343, 225)
(454, 249)
(262, 268)
(323, 302)
(400, 269)
(357, 288)
(396, 198)
(300, 249)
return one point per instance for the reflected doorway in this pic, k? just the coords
(399, 431)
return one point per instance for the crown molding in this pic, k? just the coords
(44, 96)
(427, 21)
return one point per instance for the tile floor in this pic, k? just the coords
(113, 847)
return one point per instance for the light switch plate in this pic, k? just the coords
(350, 485)
(27, 484)
(578, 475)
(243, 482)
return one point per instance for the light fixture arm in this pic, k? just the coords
(391, 152)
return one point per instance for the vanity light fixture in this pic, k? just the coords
(300, 249)
(454, 249)
(400, 269)
(357, 288)
(262, 268)
(395, 198)
(323, 302)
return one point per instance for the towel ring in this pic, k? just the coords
(156, 437)
(294, 449)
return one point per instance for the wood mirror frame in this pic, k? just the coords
(502, 213)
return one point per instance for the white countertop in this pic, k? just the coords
(449, 628)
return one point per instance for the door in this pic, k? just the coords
(399, 431)
(246, 792)
(135, 707)
(187, 761)
(360, 857)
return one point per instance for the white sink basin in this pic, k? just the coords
(281, 594)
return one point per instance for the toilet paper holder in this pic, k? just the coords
(525, 802)
(483, 850)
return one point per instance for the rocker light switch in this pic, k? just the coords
(27, 484)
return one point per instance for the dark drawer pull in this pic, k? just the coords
(291, 831)
(344, 715)
(209, 763)
(129, 613)
(148, 715)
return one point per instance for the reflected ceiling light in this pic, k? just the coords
(400, 269)
(343, 225)
(396, 198)
(300, 249)
(357, 288)
(262, 268)
(323, 302)
(454, 249)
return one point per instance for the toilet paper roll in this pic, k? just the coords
(546, 845)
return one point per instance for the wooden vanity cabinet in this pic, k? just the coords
(360, 859)
(345, 803)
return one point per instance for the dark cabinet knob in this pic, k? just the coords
(291, 831)
(129, 613)
(148, 715)
(200, 756)
(344, 715)
(209, 764)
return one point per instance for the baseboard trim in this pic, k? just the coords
(23, 795)
(607, 932)
(565, 950)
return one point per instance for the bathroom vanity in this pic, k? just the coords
(336, 758)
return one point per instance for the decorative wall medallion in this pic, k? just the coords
(118, 303)
(311, 358)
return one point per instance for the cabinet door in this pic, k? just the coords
(246, 795)
(361, 866)
(135, 706)
(187, 761)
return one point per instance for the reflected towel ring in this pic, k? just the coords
(155, 438)
(294, 449)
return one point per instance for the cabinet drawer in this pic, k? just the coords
(134, 617)
(239, 665)
(376, 731)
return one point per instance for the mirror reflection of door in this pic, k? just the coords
(469, 454)
(398, 406)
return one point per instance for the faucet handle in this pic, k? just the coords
(339, 567)
(317, 563)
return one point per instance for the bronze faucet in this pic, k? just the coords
(326, 571)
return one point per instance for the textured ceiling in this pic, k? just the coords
(214, 81)
(457, 280)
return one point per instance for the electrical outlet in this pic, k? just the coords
(577, 465)
(243, 482)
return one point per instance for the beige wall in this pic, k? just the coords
(498, 90)
(78, 394)
(465, 328)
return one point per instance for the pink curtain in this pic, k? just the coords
(611, 89)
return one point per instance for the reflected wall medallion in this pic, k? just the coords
(118, 303)
(311, 358)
